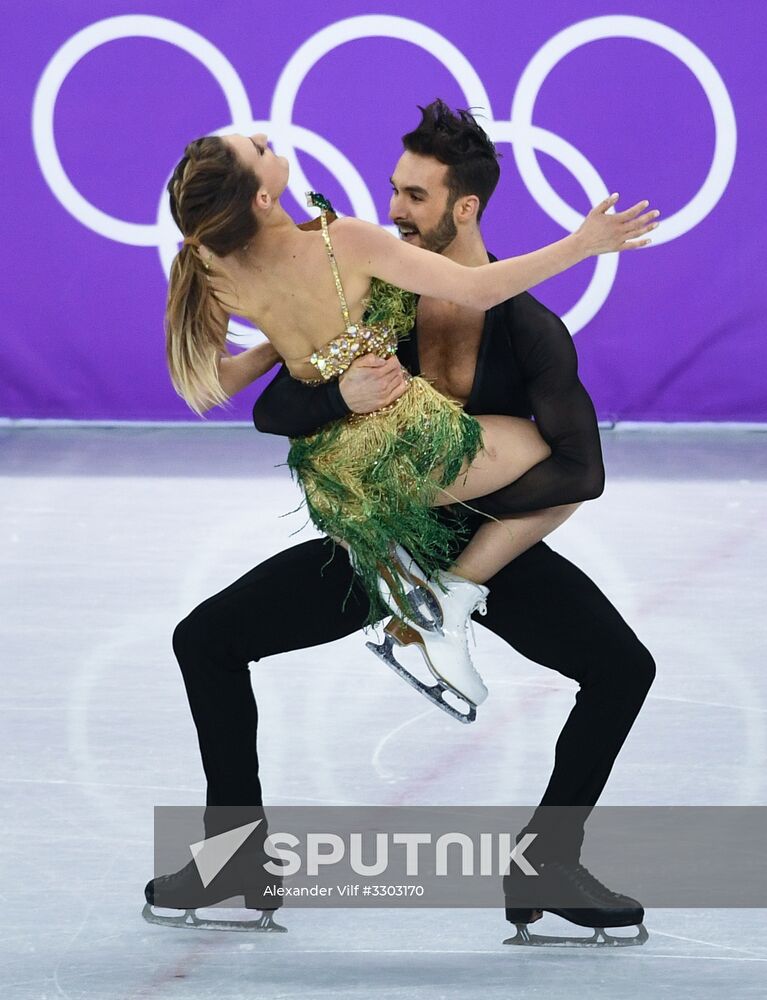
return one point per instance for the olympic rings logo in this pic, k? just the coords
(525, 138)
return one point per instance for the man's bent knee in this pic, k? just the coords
(191, 635)
(644, 668)
(638, 672)
(184, 636)
(629, 668)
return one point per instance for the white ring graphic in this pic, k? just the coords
(354, 29)
(584, 172)
(57, 70)
(642, 29)
(524, 137)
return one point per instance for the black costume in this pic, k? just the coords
(540, 603)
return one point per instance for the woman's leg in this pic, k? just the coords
(496, 544)
(511, 447)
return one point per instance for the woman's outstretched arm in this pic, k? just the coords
(381, 255)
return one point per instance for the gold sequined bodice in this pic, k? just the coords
(335, 357)
(367, 337)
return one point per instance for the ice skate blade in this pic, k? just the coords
(599, 939)
(434, 692)
(419, 597)
(189, 919)
(422, 593)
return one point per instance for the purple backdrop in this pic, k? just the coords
(675, 333)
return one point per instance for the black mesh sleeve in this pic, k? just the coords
(294, 409)
(564, 415)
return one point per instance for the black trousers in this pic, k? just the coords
(541, 604)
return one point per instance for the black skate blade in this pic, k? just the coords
(434, 692)
(189, 919)
(599, 939)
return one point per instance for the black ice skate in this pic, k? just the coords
(593, 905)
(184, 890)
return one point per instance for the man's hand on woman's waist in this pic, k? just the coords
(371, 383)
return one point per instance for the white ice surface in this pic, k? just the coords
(109, 536)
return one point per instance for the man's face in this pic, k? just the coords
(420, 204)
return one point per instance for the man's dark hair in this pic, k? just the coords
(455, 139)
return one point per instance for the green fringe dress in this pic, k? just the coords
(370, 479)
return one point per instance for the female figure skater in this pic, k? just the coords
(369, 480)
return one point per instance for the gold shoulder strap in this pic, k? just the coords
(334, 267)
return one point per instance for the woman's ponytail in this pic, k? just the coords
(195, 334)
(210, 198)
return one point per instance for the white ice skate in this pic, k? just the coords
(422, 607)
(446, 650)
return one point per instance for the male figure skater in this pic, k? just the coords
(517, 359)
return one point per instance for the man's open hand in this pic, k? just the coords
(370, 383)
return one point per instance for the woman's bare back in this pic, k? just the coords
(290, 294)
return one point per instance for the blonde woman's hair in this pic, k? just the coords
(211, 192)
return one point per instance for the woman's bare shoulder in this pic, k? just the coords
(357, 234)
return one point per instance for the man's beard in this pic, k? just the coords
(442, 235)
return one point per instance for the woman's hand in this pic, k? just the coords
(608, 233)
